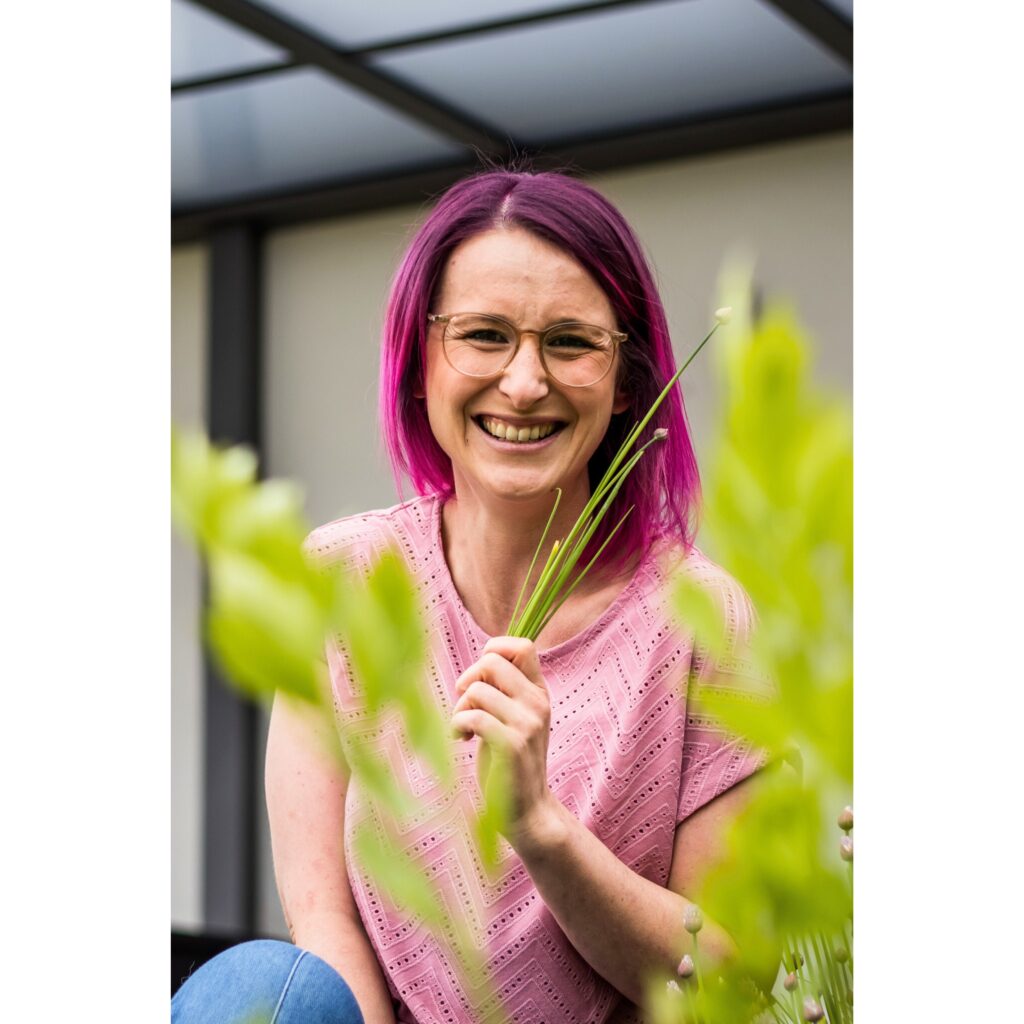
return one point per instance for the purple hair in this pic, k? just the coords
(664, 488)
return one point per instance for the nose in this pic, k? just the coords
(524, 382)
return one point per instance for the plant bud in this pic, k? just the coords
(673, 987)
(846, 849)
(693, 919)
(685, 968)
(661, 433)
(790, 982)
(845, 819)
(812, 1009)
(723, 315)
(841, 953)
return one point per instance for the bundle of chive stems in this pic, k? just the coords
(553, 587)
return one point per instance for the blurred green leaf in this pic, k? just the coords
(268, 633)
(698, 611)
(492, 822)
(405, 882)
(776, 881)
(382, 628)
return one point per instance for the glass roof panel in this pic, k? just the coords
(350, 25)
(293, 128)
(843, 7)
(627, 68)
(204, 44)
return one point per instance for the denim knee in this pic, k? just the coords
(265, 982)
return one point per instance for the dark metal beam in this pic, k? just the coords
(354, 71)
(234, 414)
(832, 30)
(205, 81)
(664, 142)
(692, 138)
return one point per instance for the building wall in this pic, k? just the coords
(790, 205)
(188, 375)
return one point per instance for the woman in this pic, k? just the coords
(524, 337)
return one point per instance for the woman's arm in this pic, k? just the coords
(623, 925)
(306, 784)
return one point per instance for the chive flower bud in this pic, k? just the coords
(845, 819)
(660, 434)
(791, 981)
(723, 315)
(812, 1009)
(846, 848)
(685, 968)
(841, 953)
(693, 919)
(673, 986)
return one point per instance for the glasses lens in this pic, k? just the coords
(478, 345)
(578, 354)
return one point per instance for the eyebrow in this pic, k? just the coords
(552, 323)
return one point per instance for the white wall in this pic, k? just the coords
(326, 283)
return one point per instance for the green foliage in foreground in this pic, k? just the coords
(270, 610)
(778, 509)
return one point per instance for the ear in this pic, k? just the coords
(418, 392)
(621, 402)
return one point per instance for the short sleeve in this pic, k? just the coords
(715, 759)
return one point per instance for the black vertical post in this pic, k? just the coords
(234, 413)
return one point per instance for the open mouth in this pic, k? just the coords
(518, 435)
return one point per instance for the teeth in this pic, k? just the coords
(518, 434)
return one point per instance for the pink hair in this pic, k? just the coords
(664, 488)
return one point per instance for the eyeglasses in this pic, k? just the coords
(480, 345)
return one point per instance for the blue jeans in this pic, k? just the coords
(265, 982)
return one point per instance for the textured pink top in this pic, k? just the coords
(627, 756)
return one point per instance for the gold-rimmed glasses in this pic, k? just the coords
(483, 345)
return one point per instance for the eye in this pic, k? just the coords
(568, 342)
(480, 331)
(487, 336)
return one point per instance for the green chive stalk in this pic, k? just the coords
(553, 587)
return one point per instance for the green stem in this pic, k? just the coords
(584, 571)
(562, 562)
(540, 545)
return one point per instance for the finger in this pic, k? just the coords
(492, 700)
(498, 671)
(520, 652)
(475, 722)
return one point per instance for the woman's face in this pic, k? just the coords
(532, 284)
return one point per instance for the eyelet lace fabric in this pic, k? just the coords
(630, 755)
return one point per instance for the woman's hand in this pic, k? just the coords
(504, 700)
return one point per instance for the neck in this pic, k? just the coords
(489, 545)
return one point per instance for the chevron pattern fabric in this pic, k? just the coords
(629, 754)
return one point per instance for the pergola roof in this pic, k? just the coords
(291, 109)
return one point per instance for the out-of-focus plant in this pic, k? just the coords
(778, 512)
(270, 610)
(778, 509)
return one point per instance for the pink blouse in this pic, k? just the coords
(628, 756)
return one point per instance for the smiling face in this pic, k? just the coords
(533, 284)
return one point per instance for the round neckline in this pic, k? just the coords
(565, 646)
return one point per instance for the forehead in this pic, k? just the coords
(514, 273)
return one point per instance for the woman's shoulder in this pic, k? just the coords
(675, 562)
(365, 534)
